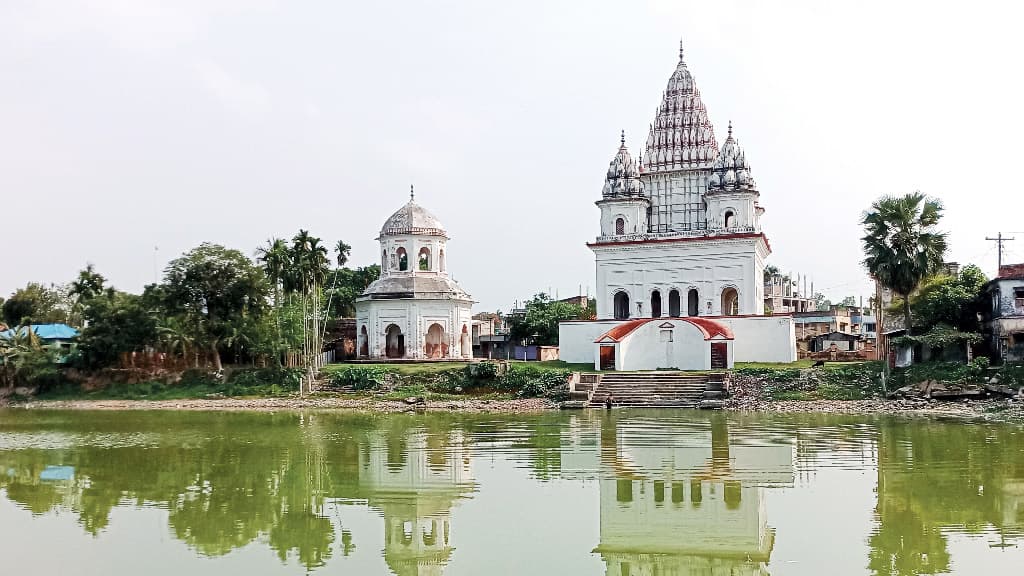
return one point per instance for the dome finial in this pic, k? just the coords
(680, 49)
(622, 138)
(730, 128)
(412, 193)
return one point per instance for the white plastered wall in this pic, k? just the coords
(414, 318)
(709, 265)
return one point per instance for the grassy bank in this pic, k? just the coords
(440, 381)
(192, 384)
(834, 381)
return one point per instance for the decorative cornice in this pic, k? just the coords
(704, 238)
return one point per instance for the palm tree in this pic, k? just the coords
(342, 250)
(902, 245)
(176, 336)
(276, 260)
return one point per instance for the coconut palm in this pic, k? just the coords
(902, 244)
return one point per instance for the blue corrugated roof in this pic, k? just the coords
(48, 332)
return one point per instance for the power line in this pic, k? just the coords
(999, 239)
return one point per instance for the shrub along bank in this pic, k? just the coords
(190, 384)
(519, 380)
(855, 381)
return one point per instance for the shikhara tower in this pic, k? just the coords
(680, 227)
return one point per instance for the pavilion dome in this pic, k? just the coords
(413, 219)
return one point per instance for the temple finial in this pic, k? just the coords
(680, 49)
(730, 128)
(412, 193)
(622, 138)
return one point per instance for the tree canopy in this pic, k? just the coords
(540, 323)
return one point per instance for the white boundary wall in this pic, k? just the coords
(758, 338)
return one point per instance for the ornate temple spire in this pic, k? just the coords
(623, 178)
(731, 171)
(681, 135)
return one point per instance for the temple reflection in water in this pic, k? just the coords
(682, 499)
(676, 494)
(414, 483)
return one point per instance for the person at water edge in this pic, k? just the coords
(608, 401)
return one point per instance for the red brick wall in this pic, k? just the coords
(1011, 271)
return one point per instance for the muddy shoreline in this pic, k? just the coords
(994, 410)
(361, 404)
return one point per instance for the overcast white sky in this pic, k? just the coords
(134, 124)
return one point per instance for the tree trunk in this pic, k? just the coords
(906, 314)
(215, 355)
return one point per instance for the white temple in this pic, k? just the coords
(414, 310)
(680, 237)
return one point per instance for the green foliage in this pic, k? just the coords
(540, 324)
(522, 379)
(37, 304)
(956, 373)
(853, 381)
(359, 377)
(192, 384)
(951, 300)
(771, 375)
(116, 323)
(940, 336)
(344, 285)
(902, 244)
(263, 382)
(26, 361)
(215, 289)
(1011, 375)
(531, 381)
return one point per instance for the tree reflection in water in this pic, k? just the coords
(680, 492)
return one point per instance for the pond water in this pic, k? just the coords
(620, 493)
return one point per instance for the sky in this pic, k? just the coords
(133, 130)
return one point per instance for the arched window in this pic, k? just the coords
(730, 302)
(424, 258)
(620, 226)
(656, 304)
(621, 305)
(673, 303)
(440, 260)
(730, 219)
(403, 260)
(693, 303)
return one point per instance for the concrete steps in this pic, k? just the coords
(651, 389)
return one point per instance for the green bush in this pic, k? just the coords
(263, 382)
(956, 373)
(360, 377)
(530, 381)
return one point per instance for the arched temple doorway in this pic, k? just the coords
(395, 342)
(435, 346)
(364, 342)
(693, 303)
(656, 304)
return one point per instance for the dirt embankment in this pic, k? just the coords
(299, 403)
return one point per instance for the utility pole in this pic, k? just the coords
(999, 242)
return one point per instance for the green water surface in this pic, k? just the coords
(620, 493)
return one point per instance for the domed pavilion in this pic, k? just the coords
(414, 310)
